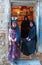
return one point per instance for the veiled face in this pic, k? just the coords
(26, 18)
(31, 24)
(14, 24)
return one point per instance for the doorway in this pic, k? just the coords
(21, 9)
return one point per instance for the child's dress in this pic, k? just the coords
(13, 47)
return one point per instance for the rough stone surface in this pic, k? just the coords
(4, 42)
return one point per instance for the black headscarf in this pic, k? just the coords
(15, 21)
(33, 23)
(25, 27)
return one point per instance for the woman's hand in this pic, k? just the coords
(14, 40)
(28, 39)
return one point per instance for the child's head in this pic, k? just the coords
(32, 23)
(14, 22)
(26, 18)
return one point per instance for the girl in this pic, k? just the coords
(24, 34)
(32, 38)
(14, 36)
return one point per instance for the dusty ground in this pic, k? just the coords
(35, 56)
(23, 57)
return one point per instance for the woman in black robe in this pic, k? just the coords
(24, 33)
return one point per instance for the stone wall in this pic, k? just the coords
(4, 19)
